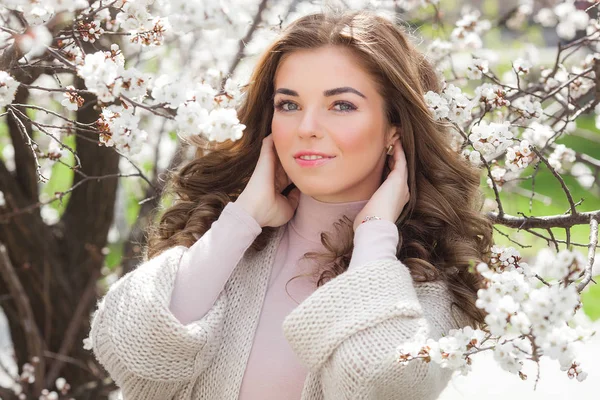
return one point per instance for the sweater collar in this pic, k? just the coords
(313, 216)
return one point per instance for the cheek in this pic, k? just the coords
(357, 140)
(280, 131)
(282, 140)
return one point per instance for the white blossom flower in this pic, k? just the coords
(562, 158)
(496, 324)
(55, 149)
(120, 128)
(71, 100)
(574, 370)
(492, 96)
(35, 41)
(100, 70)
(192, 118)
(437, 105)
(519, 156)
(593, 29)
(477, 68)
(459, 105)
(439, 49)
(583, 174)
(527, 108)
(409, 5)
(132, 83)
(447, 352)
(224, 125)
(49, 214)
(538, 134)
(36, 15)
(133, 15)
(152, 35)
(522, 66)
(520, 322)
(87, 343)
(546, 17)
(204, 94)
(72, 52)
(567, 18)
(47, 395)
(508, 357)
(17, 388)
(60, 383)
(232, 94)
(487, 299)
(570, 20)
(467, 34)
(491, 139)
(170, 91)
(8, 88)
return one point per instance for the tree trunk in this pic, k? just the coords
(58, 265)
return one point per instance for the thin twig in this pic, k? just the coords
(29, 143)
(591, 253)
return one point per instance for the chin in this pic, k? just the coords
(313, 190)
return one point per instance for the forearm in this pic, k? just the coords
(207, 265)
(374, 240)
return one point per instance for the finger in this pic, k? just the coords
(265, 160)
(267, 147)
(400, 156)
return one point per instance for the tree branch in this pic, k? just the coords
(551, 221)
(35, 344)
(246, 39)
(9, 57)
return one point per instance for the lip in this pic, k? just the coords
(313, 163)
(311, 153)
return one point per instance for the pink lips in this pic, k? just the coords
(313, 163)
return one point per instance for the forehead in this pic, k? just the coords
(323, 68)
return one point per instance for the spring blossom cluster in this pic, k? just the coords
(522, 315)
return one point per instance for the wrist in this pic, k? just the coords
(249, 209)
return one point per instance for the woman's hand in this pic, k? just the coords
(389, 200)
(262, 197)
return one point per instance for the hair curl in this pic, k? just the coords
(442, 231)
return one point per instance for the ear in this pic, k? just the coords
(393, 133)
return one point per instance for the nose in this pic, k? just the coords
(310, 125)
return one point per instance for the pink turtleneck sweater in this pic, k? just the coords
(273, 371)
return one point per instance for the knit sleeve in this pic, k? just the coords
(145, 349)
(348, 330)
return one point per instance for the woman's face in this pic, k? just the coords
(325, 102)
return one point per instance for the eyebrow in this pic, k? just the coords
(326, 93)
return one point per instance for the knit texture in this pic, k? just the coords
(345, 333)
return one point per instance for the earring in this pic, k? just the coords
(390, 150)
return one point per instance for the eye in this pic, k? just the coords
(281, 106)
(344, 106)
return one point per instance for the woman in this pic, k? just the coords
(245, 295)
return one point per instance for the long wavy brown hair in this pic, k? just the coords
(443, 232)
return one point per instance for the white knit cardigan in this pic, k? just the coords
(345, 333)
